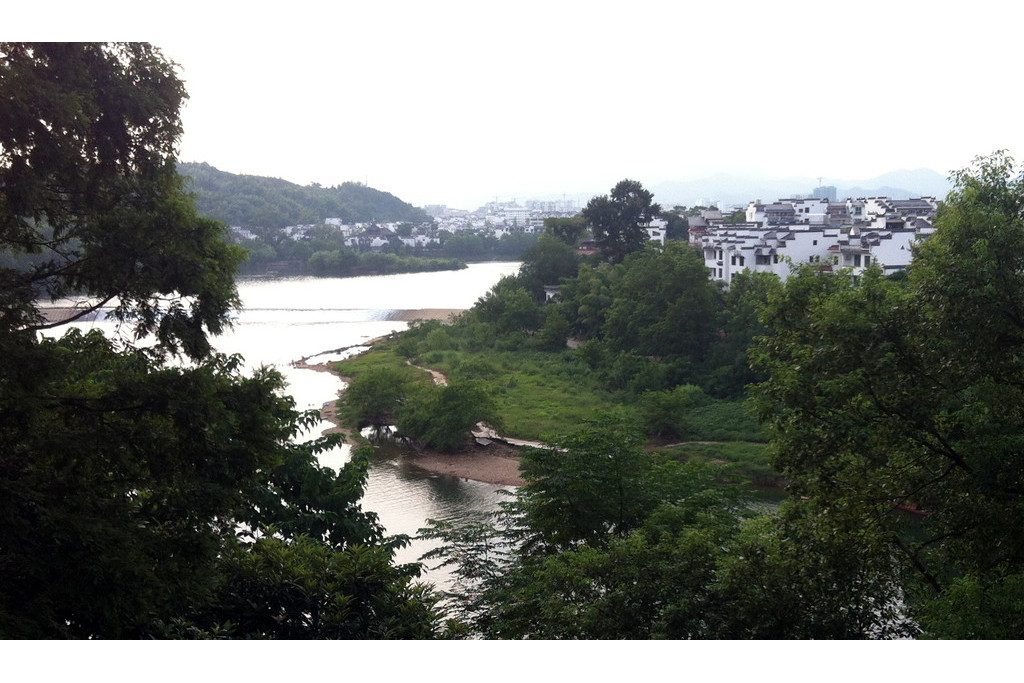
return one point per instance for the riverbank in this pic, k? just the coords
(442, 314)
(494, 463)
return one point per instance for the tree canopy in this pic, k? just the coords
(618, 221)
(569, 230)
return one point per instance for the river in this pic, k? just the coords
(289, 318)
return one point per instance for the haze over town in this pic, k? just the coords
(462, 103)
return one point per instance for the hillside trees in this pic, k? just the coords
(513, 303)
(656, 320)
(737, 328)
(508, 306)
(547, 262)
(884, 393)
(145, 490)
(255, 201)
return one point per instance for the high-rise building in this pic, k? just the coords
(825, 192)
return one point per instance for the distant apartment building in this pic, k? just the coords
(825, 192)
(517, 216)
(567, 207)
(853, 234)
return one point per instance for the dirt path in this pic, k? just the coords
(482, 431)
(439, 379)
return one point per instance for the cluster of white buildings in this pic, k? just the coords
(501, 217)
(374, 236)
(360, 236)
(855, 233)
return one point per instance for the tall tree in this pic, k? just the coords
(547, 263)
(138, 492)
(444, 417)
(568, 230)
(664, 304)
(88, 135)
(618, 221)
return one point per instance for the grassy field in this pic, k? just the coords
(747, 458)
(540, 394)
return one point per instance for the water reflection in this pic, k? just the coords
(406, 496)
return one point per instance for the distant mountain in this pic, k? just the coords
(899, 185)
(260, 202)
(729, 190)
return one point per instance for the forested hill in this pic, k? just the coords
(256, 201)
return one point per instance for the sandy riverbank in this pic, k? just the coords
(497, 463)
(408, 315)
(494, 464)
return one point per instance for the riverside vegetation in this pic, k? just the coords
(155, 490)
(685, 395)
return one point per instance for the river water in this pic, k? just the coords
(286, 319)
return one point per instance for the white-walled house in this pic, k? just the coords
(812, 211)
(656, 230)
(419, 241)
(730, 250)
(892, 250)
(800, 211)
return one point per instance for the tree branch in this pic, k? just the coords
(78, 316)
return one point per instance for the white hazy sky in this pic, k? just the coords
(460, 102)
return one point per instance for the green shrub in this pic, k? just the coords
(672, 412)
(476, 367)
(444, 417)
